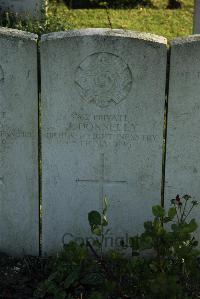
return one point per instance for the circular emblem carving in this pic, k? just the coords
(103, 78)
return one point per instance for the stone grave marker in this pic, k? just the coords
(196, 19)
(103, 95)
(183, 140)
(18, 143)
(30, 8)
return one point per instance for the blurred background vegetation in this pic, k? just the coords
(170, 18)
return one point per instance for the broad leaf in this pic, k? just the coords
(192, 226)
(172, 213)
(96, 231)
(94, 218)
(158, 211)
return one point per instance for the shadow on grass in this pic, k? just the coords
(114, 4)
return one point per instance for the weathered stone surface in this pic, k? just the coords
(103, 94)
(183, 140)
(18, 143)
(196, 20)
(24, 7)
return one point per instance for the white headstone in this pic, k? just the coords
(183, 140)
(103, 94)
(18, 143)
(29, 8)
(196, 20)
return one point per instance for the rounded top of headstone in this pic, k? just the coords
(14, 33)
(186, 40)
(105, 32)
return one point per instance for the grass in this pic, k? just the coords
(157, 20)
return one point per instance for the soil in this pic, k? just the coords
(20, 277)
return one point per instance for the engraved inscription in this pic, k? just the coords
(8, 133)
(101, 130)
(103, 78)
(188, 75)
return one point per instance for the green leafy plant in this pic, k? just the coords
(175, 256)
(73, 272)
(48, 23)
(98, 222)
(164, 262)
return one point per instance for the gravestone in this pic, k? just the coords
(103, 94)
(196, 19)
(33, 8)
(183, 141)
(18, 143)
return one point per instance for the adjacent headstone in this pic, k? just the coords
(196, 20)
(18, 143)
(103, 95)
(183, 140)
(28, 8)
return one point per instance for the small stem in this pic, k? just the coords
(93, 250)
(180, 208)
(105, 268)
(177, 215)
(188, 213)
(102, 231)
(183, 213)
(102, 239)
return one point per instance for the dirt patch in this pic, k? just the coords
(20, 277)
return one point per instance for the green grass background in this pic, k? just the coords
(157, 20)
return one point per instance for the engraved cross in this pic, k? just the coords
(101, 180)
